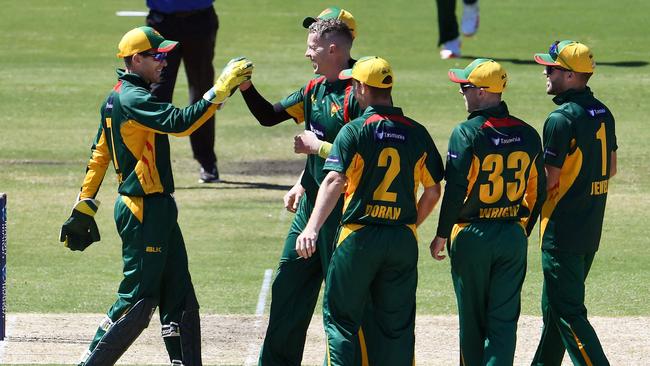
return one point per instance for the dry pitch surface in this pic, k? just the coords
(236, 339)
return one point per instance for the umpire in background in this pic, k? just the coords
(194, 23)
(133, 136)
(579, 157)
(494, 192)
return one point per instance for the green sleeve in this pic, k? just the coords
(557, 139)
(459, 161)
(293, 104)
(143, 108)
(343, 150)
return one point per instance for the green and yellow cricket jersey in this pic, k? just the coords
(325, 107)
(494, 171)
(385, 156)
(133, 134)
(579, 138)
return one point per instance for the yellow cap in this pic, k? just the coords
(482, 72)
(370, 70)
(570, 55)
(143, 39)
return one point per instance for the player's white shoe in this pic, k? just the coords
(470, 20)
(450, 49)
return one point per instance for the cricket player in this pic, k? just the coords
(378, 161)
(579, 158)
(133, 134)
(494, 192)
(324, 104)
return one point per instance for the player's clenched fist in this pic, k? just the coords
(306, 243)
(236, 72)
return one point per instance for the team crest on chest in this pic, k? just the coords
(334, 108)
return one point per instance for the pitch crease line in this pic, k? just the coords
(253, 347)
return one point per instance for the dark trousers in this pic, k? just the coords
(295, 289)
(447, 22)
(197, 33)
(488, 266)
(565, 316)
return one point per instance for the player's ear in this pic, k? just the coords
(332, 48)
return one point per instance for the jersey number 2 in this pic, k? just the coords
(389, 157)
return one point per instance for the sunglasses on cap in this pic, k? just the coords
(158, 56)
(549, 69)
(553, 52)
(466, 86)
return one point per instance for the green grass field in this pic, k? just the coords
(57, 64)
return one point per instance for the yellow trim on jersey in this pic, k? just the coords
(581, 347)
(346, 230)
(354, 176)
(364, 348)
(141, 142)
(297, 112)
(472, 175)
(135, 205)
(414, 229)
(327, 349)
(199, 122)
(422, 175)
(568, 174)
(530, 196)
(96, 168)
(455, 230)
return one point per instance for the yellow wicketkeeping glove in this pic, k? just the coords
(236, 72)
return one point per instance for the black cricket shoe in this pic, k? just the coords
(209, 176)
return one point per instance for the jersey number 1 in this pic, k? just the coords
(602, 136)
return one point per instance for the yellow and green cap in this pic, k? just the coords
(570, 55)
(370, 70)
(482, 72)
(334, 13)
(143, 39)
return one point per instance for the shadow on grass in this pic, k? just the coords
(530, 61)
(239, 185)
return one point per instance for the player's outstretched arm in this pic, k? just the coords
(267, 114)
(236, 71)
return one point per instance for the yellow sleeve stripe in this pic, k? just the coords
(297, 112)
(568, 174)
(96, 169)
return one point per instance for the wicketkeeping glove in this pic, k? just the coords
(80, 230)
(236, 72)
